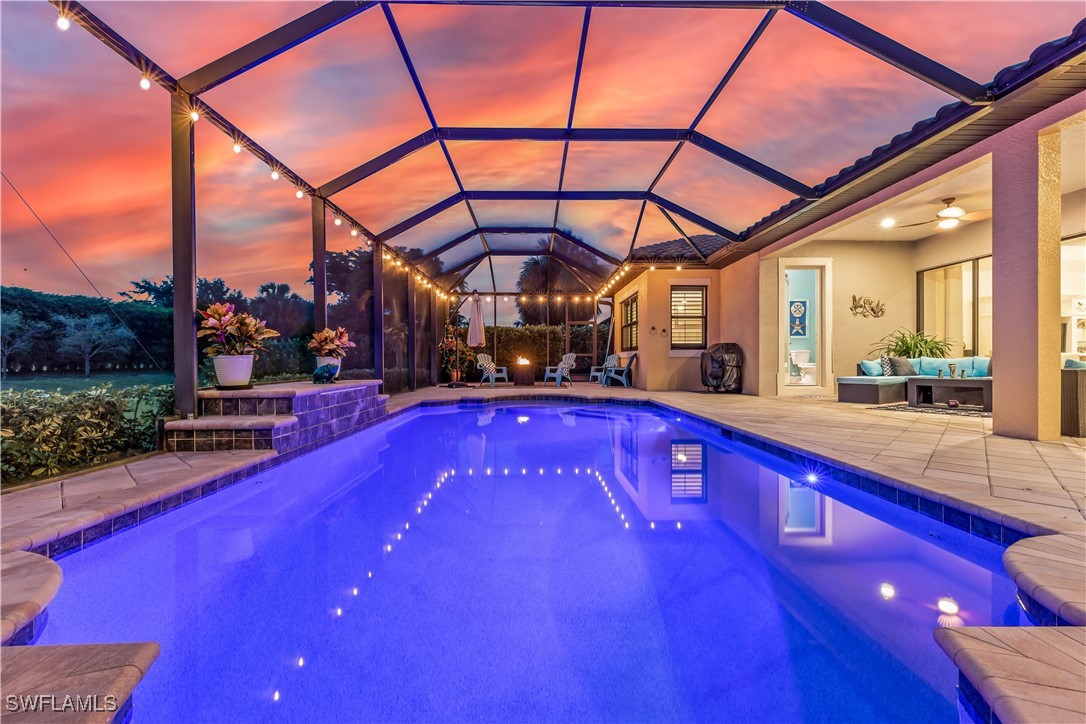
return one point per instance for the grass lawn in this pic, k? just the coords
(72, 383)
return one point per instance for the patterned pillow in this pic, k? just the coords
(887, 366)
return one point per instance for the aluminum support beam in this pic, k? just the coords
(183, 195)
(378, 312)
(412, 324)
(271, 44)
(320, 266)
(890, 51)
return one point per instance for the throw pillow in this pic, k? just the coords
(887, 366)
(871, 367)
(1074, 364)
(902, 367)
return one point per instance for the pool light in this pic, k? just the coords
(354, 591)
(275, 696)
(301, 662)
(679, 525)
(887, 591)
(339, 611)
(948, 605)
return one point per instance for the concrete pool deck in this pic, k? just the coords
(1037, 488)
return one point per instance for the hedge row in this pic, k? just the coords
(46, 433)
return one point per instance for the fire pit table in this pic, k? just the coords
(523, 374)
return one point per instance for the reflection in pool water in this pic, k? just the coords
(543, 563)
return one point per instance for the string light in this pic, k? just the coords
(195, 116)
(354, 232)
(299, 194)
(237, 147)
(338, 221)
(145, 82)
(274, 175)
(63, 23)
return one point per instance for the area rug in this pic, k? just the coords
(904, 407)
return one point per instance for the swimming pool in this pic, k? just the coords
(537, 562)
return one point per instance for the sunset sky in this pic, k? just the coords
(90, 151)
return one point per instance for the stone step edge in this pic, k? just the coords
(279, 390)
(233, 422)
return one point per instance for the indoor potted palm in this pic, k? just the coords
(235, 341)
(330, 347)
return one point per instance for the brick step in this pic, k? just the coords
(289, 418)
(228, 432)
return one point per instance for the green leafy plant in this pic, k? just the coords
(46, 433)
(232, 333)
(903, 343)
(449, 347)
(329, 343)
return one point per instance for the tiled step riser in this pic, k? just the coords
(286, 405)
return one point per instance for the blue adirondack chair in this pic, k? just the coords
(599, 372)
(491, 371)
(560, 373)
(621, 374)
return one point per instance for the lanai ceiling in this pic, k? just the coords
(469, 136)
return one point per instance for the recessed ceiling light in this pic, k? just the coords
(888, 223)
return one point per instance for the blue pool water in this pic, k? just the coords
(528, 563)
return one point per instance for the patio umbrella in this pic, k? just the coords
(476, 336)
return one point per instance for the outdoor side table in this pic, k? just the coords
(934, 390)
(523, 375)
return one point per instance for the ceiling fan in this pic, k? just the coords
(951, 215)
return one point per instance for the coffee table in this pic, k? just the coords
(523, 375)
(968, 391)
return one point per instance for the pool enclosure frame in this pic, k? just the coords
(809, 204)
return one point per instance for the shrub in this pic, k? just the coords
(46, 433)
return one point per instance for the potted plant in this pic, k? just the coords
(235, 341)
(456, 357)
(903, 343)
(330, 347)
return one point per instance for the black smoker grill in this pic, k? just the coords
(722, 367)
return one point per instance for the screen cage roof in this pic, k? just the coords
(600, 134)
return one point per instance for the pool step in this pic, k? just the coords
(292, 417)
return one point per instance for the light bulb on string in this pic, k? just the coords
(237, 147)
(145, 82)
(63, 23)
(274, 175)
(338, 221)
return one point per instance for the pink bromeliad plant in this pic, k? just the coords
(232, 334)
(329, 343)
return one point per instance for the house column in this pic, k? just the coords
(1026, 286)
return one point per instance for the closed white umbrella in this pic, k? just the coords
(476, 333)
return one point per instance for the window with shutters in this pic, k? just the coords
(629, 324)
(688, 318)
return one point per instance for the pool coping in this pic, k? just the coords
(1045, 573)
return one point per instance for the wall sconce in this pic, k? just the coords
(652, 330)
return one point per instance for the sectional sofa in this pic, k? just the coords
(871, 386)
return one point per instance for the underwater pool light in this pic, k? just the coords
(887, 591)
(948, 605)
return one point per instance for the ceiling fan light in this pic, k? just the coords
(948, 223)
(951, 212)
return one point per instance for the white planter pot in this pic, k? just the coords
(233, 370)
(337, 363)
